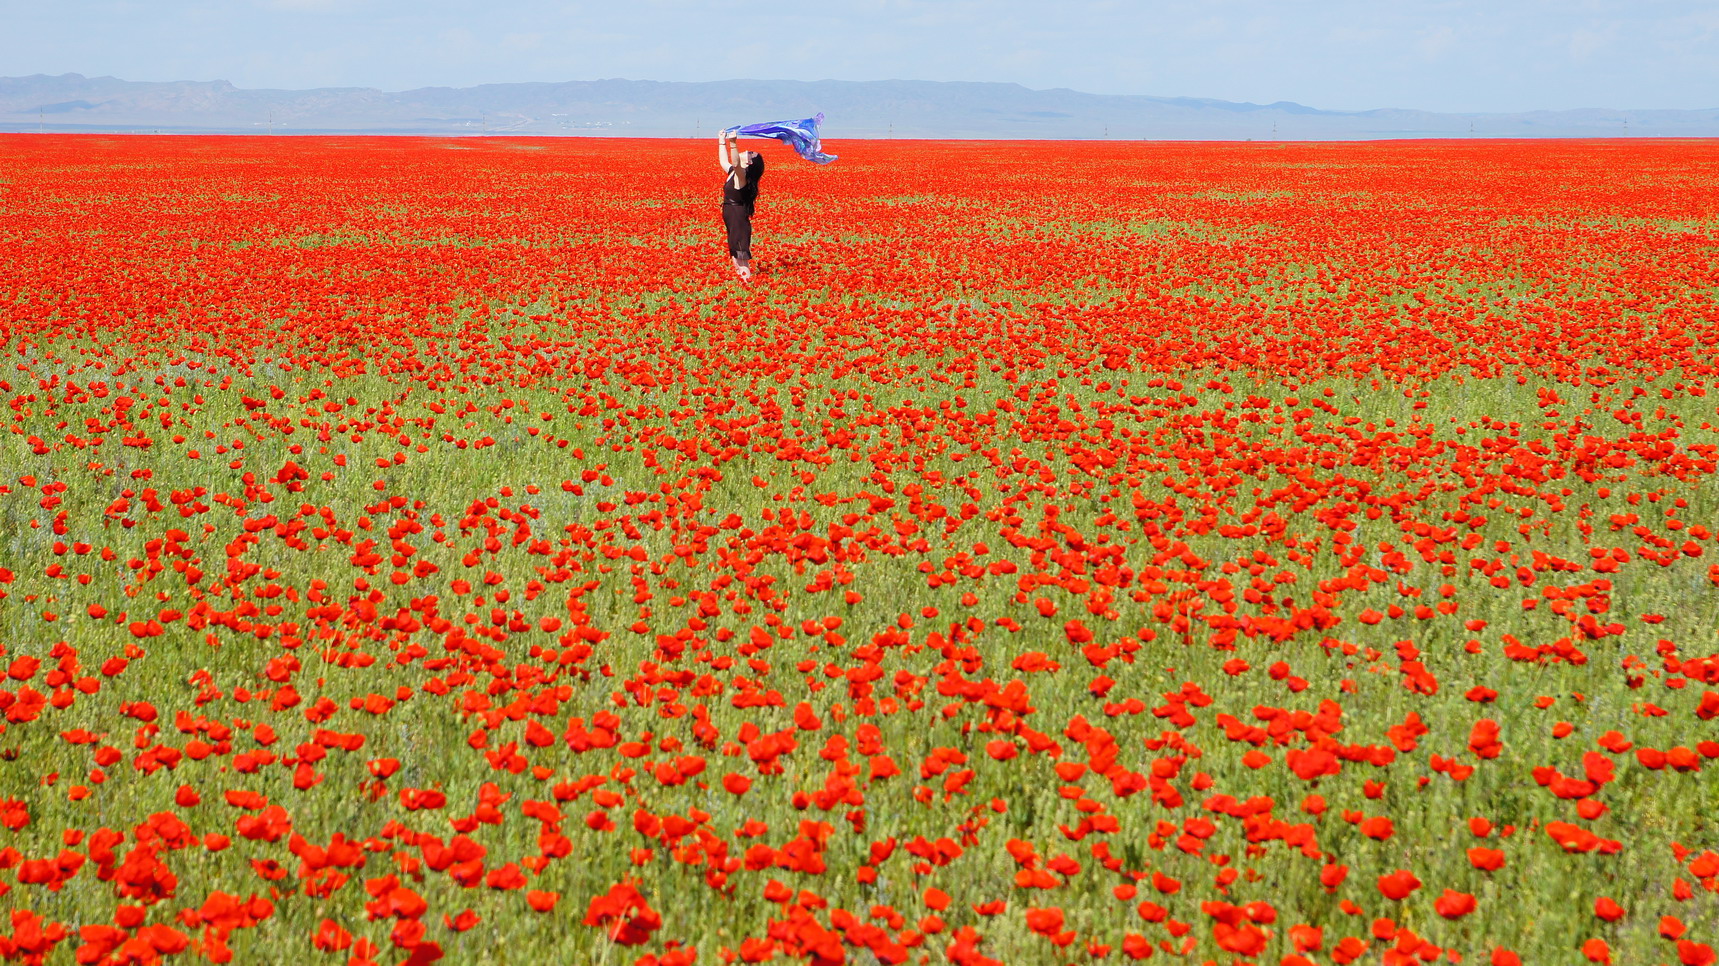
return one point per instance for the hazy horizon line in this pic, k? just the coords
(836, 80)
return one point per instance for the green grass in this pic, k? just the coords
(1677, 807)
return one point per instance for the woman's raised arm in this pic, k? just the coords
(724, 159)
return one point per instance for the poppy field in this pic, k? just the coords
(419, 550)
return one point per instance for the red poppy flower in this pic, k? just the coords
(1397, 885)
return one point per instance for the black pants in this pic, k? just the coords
(738, 220)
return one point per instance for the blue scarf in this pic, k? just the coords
(802, 134)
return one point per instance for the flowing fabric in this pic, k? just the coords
(802, 134)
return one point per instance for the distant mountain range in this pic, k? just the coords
(853, 109)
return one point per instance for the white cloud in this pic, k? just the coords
(306, 6)
(1436, 43)
(1585, 42)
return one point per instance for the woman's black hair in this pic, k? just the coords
(750, 171)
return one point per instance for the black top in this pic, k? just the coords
(748, 194)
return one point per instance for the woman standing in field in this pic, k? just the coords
(739, 194)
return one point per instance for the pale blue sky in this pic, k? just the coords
(1446, 55)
